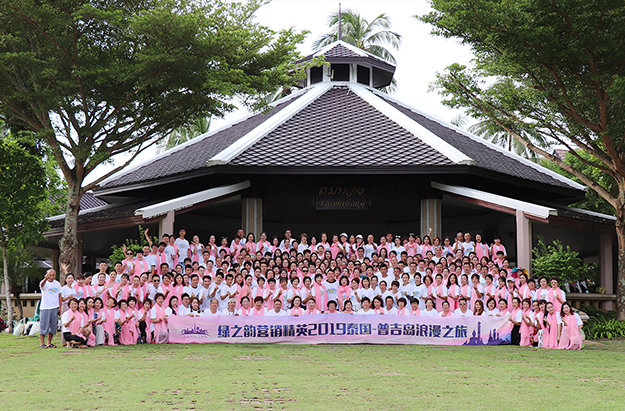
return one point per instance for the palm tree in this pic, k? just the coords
(181, 135)
(371, 36)
(493, 133)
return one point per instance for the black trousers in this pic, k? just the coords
(73, 337)
(142, 327)
(516, 335)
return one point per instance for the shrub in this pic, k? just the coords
(555, 260)
(134, 244)
(602, 324)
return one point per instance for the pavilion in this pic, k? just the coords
(339, 155)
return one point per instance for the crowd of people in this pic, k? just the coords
(132, 301)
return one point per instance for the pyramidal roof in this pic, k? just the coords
(338, 126)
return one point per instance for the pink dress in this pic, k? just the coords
(571, 338)
(161, 334)
(550, 333)
(109, 325)
(526, 331)
(128, 334)
(453, 304)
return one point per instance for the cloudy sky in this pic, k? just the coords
(421, 55)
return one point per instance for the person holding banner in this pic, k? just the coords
(463, 310)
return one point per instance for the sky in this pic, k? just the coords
(420, 57)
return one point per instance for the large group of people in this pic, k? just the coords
(132, 301)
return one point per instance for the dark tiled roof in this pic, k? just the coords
(485, 157)
(114, 212)
(339, 51)
(195, 155)
(340, 129)
(88, 200)
(578, 215)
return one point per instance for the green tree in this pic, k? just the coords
(550, 67)
(183, 134)
(22, 194)
(98, 79)
(373, 36)
(592, 200)
(20, 266)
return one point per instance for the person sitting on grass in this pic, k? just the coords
(72, 324)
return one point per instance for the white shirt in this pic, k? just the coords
(223, 303)
(228, 312)
(66, 291)
(427, 313)
(274, 313)
(363, 312)
(420, 291)
(459, 313)
(50, 295)
(332, 290)
(66, 317)
(391, 311)
(208, 313)
(193, 292)
(151, 259)
(182, 310)
(183, 249)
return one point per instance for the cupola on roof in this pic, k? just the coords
(348, 64)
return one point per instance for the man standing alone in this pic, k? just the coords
(49, 308)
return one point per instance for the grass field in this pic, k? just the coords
(301, 377)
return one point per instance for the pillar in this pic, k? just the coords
(431, 216)
(166, 225)
(523, 241)
(606, 267)
(252, 215)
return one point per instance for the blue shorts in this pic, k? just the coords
(48, 321)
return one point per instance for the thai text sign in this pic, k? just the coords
(342, 198)
(340, 329)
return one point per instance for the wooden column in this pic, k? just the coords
(252, 216)
(523, 241)
(166, 225)
(606, 267)
(431, 216)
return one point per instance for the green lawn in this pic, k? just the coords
(299, 377)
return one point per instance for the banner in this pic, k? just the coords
(340, 329)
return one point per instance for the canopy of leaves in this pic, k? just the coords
(592, 201)
(100, 78)
(22, 196)
(549, 67)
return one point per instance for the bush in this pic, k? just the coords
(131, 244)
(602, 324)
(554, 260)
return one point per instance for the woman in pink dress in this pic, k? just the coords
(127, 336)
(571, 337)
(159, 319)
(552, 326)
(526, 323)
(109, 325)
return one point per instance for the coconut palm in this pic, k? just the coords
(184, 134)
(371, 36)
(493, 133)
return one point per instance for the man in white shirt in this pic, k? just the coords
(50, 307)
(228, 291)
(150, 258)
(420, 291)
(183, 245)
(241, 235)
(277, 309)
(463, 310)
(194, 289)
(287, 239)
(103, 270)
(205, 298)
(332, 286)
(468, 246)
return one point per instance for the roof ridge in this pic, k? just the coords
(267, 126)
(198, 139)
(422, 133)
(487, 143)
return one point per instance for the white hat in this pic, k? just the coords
(359, 236)
(344, 235)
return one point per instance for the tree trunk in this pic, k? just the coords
(69, 241)
(620, 278)
(7, 289)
